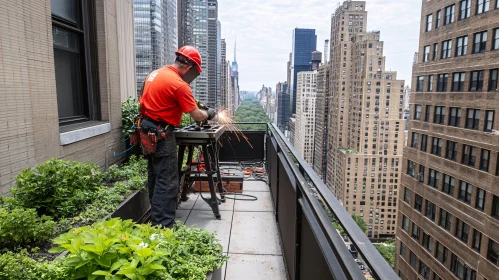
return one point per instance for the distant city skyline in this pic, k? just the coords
(264, 36)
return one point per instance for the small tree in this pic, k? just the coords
(360, 222)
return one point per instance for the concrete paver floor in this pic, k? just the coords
(247, 231)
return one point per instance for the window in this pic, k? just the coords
(458, 82)
(417, 115)
(465, 192)
(449, 14)
(483, 6)
(415, 231)
(441, 252)
(424, 270)
(489, 121)
(465, 9)
(431, 210)
(493, 252)
(439, 115)
(495, 44)
(445, 219)
(411, 168)
(426, 56)
(497, 4)
(495, 207)
(418, 203)
(462, 46)
(429, 22)
(439, 17)
(484, 160)
(435, 51)
(430, 83)
(462, 230)
(480, 42)
(493, 79)
(436, 147)
(427, 241)
(424, 142)
(405, 223)
(472, 118)
(421, 173)
(433, 178)
(75, 60)
(480, 199)
(477, 80)
(446, 49)
(449, 183)
(403, 249)
(427, 113)
(451, 150)
(469, 155)
(460, 270)
(455, 117)
(415, 140)
(407, 195)
(412, 259)
(477, 239)
(442, 82)
(419, 86)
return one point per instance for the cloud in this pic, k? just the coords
(264, 30)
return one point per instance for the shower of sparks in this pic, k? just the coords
(224, 118)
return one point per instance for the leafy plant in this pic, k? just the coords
(57, 188)
(129, 110)
(387, 250)
(125, 250)
(19, 266)
(19, 227)
(135, 167)
(360, 222)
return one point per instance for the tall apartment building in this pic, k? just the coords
(283, 108)
(223, 75)
(449, 201)
(304, 132)
(219, 65)
(365, 135)
(71, 76)
(199, 39)
(213, 58)
(155, 35)
(185, 21)
(321, 121)
(304, 43)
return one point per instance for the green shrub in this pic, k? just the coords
(57, 188)
(129, 110)
(19, 266)
(19, 227)
(125, 250)
(135, 167)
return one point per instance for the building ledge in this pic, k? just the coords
(79, 133)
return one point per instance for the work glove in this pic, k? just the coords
(201, 105)
(211, 113)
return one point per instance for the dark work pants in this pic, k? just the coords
(162, 181)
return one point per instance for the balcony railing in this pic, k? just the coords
(312, 247)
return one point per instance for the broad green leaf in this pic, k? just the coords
(102, 272)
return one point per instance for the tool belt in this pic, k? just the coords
(148, 137)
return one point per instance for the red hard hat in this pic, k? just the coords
(192, 54)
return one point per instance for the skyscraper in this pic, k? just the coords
(365, 135)
(219, 65)
(213, 53)
(223, 75)
(304, 43)
(306, 91)
(155, 25)
(321, 121)
(283, 107)
(199, 31)
(185, 20)
(235, 83)
(449, 200)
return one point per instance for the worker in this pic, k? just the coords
(166, 94)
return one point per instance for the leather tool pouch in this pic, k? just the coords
(148, 142)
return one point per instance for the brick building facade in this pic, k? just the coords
(62, 77)
(449, 203)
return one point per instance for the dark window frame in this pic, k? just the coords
(429, 22)
(420, 84)
(458, 81)
(424, 142)
(493, 79)
(461, 270)
(469, 156)
(489, 121)
(431, 79)
(439, 115)
(446, 49)
(427, 113)
(445, 220)
(436, 146)
(418, 202)
(430, 210)
(415, 231)
(480, 42)
(482, 6)
(417, 113)
(449, 184)
(495, 207)
(441, 255)
(495, 42)
(476, 80)
(464, 9)
(493, 252)
(84, 28)
(480, 199)
(455, 116)
(473, 118)
(462, 230)
(484, 160)
(451, 150)
(477, 240)
(442, 81)
(465, 192)
(449, 13)
(462, 46)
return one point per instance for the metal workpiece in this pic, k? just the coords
(195, 132)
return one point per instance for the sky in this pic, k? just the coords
(264, 30)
